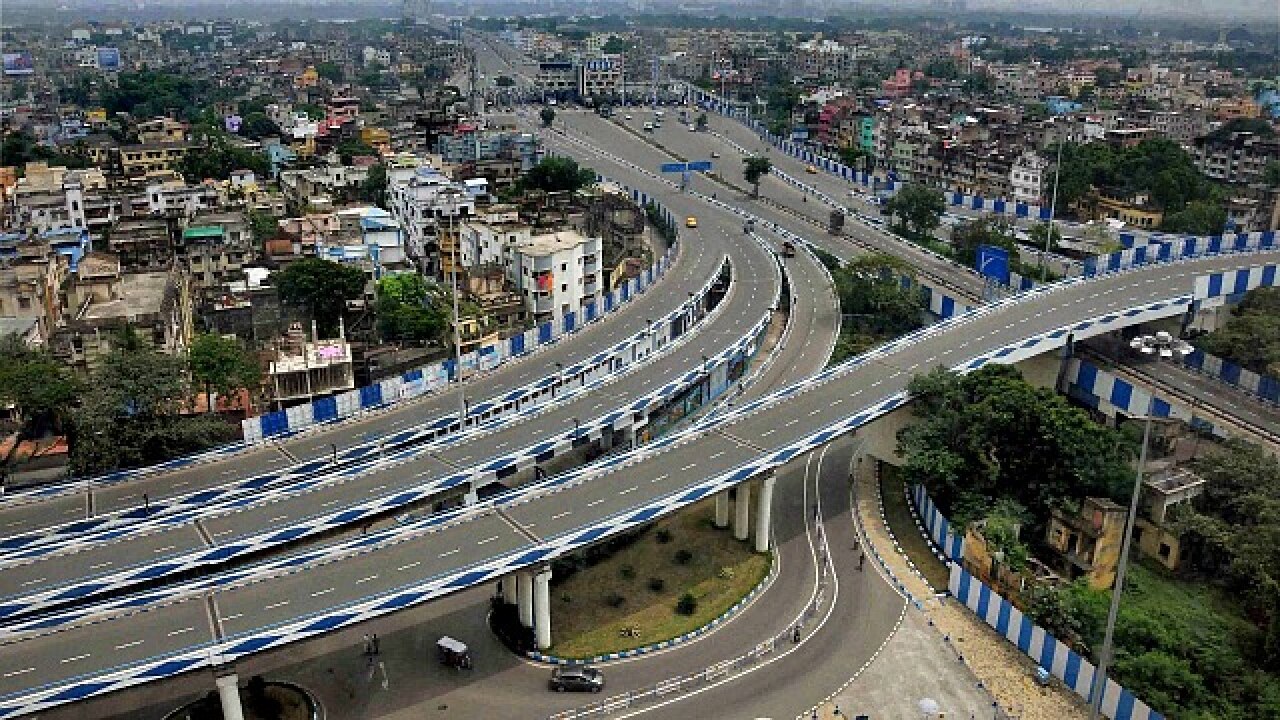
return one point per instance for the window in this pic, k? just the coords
(1165, 550)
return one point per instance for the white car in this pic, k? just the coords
(628, 117)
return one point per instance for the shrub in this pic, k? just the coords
(683, 556)
(656, 584)
(687, 604)
(726, 573)
(627, 572)
(614, 600)
(663, 536)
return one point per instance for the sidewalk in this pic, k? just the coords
(893, 688)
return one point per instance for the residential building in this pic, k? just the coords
(307, 369)
(1161, 493)
(1027, 178)
(426, 203)
(138, 160)
(1240, 157)
(557, 272)
(141, 243)
(215, 248)
(1087, 541)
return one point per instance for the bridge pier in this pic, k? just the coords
(524, 598)
(742, 512)
(542, 608)
(764, 505)
(722, 509)
(229, 695)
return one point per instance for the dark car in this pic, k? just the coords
(577, 679)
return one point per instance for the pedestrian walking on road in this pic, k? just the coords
(795, 634)
(862, 558)
(377, 646)
(368, 644)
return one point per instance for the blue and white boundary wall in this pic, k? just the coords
(938, 528)
(1064, 663)
(1182, 247)
(1263, 387)
(232, 649)
(429, 378)
(1110, 395)
(124, 579)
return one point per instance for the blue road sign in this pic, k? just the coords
(993, 262)
(674, 167)
(700, 165)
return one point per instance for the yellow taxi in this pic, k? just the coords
(691, 222)
(811, 169)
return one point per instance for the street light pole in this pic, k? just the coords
(1053, 209)
(1097, 687)
(457, 322)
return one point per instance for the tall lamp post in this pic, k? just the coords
(452, 203)
(1164, 346)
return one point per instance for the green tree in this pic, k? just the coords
(993, 435)
(1271, 174)
(558, 174)
(852, 155)
(406, 311)
(330, 71)
(222, 364)
(1251, 336)
(263, 226)
(133, 416)
(217, 155)
(755, 168)
(614, 46)
(373, 189)
(548, 116)
(323, 287)
(257, 125)
(37, 385)
(917, 209)
(348, 150)
(1197, 218)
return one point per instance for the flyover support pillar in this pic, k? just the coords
(742, 512)
(524, 598)
(722, 509)
(229, 695)
(606, 439)
(542, 608)
(764, 504)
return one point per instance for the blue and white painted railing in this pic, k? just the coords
(1263, 387)
(1110, 395)
(1064, 663)
(520, 403)
(938, 529)
(714, 373)
(231, 649)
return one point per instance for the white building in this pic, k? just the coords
(490, 239)
(423, 200)
(1026, 176)
(181, 199)
(557, 273)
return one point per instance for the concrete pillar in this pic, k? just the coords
(764, 504)
(542, 609)
(229, 694)
(742, 512)
(524, 598)
(722, 509)
(629, 437)
(606, 439)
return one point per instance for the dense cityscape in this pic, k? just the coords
(427, 359)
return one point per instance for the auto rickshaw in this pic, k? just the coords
(453, 653)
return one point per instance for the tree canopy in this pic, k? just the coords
(990, 435)
(548, 116)
(406, 311)
(558, 174)
(152, 93)
(323, 287)
(39, 386)
(1158, 168)
(222, 364)
(917, 209)
(217, 155)
(755, 168)
(875, 304)
(1251, 336)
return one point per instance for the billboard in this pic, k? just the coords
(19, 64)
(109, 58)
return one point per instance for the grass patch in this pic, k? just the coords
(588, 619)
(900, 518)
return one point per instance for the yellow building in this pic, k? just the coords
(377, 138)
(1088, 541)
(308, 79)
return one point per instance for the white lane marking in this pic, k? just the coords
(183, 630)
(273, 606)
(447, 553)
(19, 672)
(557, 516)
(276, 519)
(376, 489)
(486, 540)
(633, 488)
(77, 657)
(690, 466)
(166, 548)
(364, 580)
(713, 457)
(791, 422)
(413, 564)
(593, 503)
(233, 617)
(815, 411)
(33, 582)
(768, 432)
(101, 565)
(135, 643)
(18, 522)
(318, 593)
